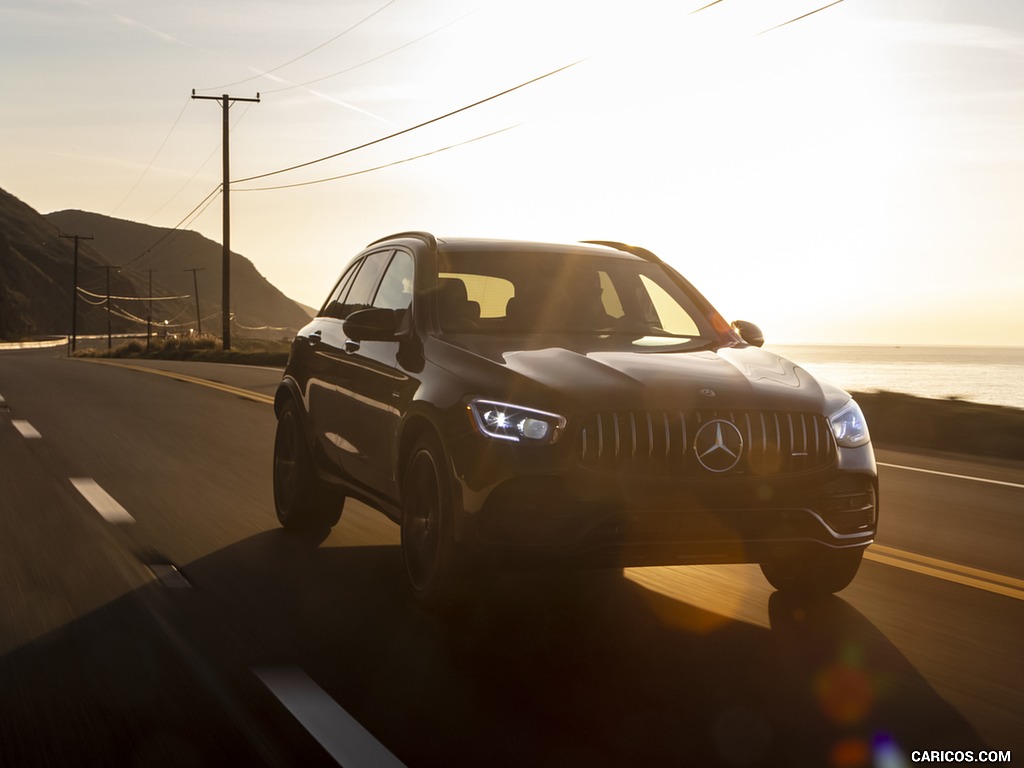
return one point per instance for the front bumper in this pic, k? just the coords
(542, 505)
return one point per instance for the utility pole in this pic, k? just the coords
(195, 284)
(110, 337)
(74, 293)
(225, 301)
(149, 317)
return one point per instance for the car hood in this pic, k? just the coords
(603, 375)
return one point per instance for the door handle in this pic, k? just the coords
(351, 346)
(315, 338)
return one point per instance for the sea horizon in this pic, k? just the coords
(990, 374)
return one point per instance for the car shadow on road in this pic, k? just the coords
(543, 669)
(587, 668)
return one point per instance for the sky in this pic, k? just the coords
(856, 176)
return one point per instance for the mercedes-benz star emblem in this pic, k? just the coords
(718, 445)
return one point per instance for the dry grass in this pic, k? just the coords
(205, 348)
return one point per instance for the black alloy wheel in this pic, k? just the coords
(302, 500)
(433, 560)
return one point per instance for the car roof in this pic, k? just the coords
(497, 245)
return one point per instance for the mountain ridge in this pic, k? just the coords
(36, 280)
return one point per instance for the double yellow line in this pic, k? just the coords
(243, 393)
(965, 575)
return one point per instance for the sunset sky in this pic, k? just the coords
(856, 176)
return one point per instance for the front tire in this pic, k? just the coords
(821, 575)
(434, 561)
(302, 500)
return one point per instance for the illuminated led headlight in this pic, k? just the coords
(849, 426)
(505, 421)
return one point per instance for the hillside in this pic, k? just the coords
(35, 275)
(36, 278)
(260, 308)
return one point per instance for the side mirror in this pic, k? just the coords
(749, 332)
(372, 325)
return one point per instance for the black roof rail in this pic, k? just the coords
(426, 237)
(636, 250)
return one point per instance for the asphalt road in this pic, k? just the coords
(154, 614)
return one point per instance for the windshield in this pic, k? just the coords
(554, 294)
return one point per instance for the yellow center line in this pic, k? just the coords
(965, 575)
(245, 393)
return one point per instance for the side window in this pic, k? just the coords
(363, 285)
(332, 306)
(395, 291)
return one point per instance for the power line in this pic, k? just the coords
(375, 58)
(409, 130)
(379, 167)
(94, 303)
(798, 18)
(152, 159)
(705, 7)
(242, 114)
(204, 203)
(304, 55)
(132, 298)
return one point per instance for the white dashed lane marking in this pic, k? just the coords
(170, 576)
(351, 745)
(26, 429)
(102, 501)
(1006, 483)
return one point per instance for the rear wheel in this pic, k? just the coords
(434, 561)
(821, 575)
(302, 500)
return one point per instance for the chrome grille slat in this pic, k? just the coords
(659, 442)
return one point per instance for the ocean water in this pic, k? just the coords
(993, 375)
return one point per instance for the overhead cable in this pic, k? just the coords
(375, 58)
(798, 18)
(203, 204)
(705, 7)
(379, 167)
(95, 303)
(130, 298)
(245, 110)
(304, 55)
(152, 159)
(410, 129)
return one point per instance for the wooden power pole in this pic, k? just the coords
(74, 293)
(195, 284)
(110, 337)
(225, 102)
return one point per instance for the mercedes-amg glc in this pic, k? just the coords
(521, 402)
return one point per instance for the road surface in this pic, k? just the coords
(155, 614)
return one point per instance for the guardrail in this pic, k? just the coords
(57, 341)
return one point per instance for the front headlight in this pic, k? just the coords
(505, 421)
(849, 426)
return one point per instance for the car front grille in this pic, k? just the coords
(769, 443)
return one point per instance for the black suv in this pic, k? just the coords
(579, 404)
